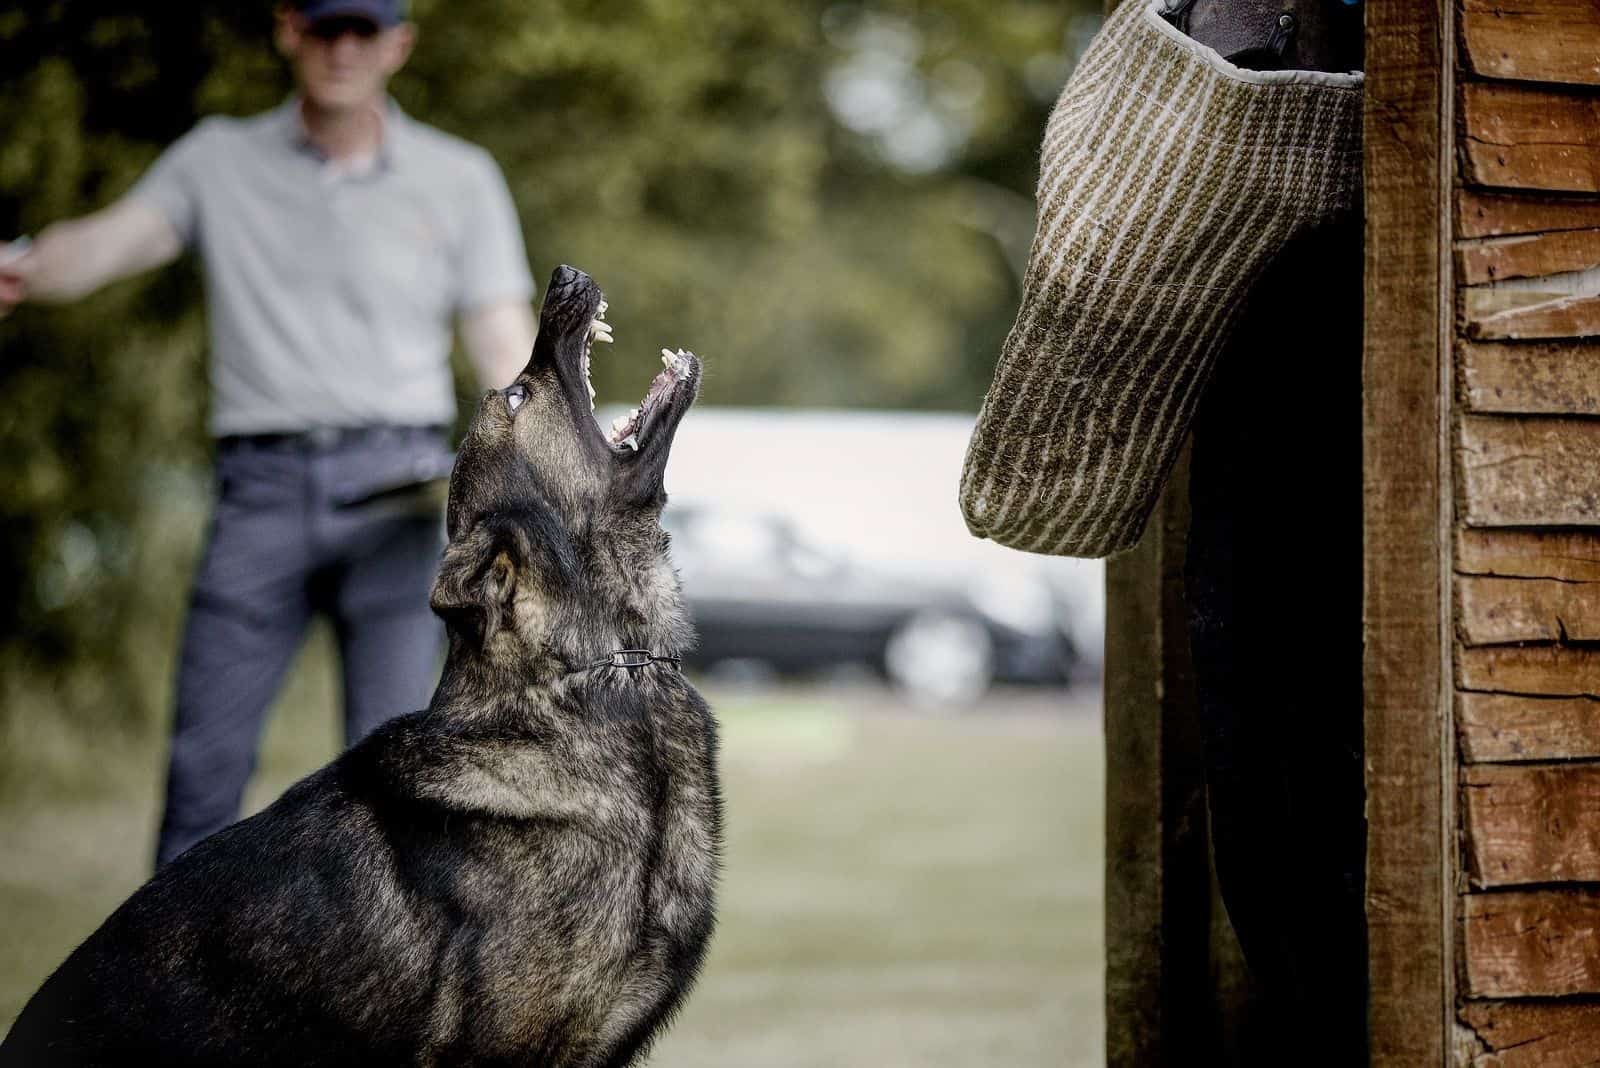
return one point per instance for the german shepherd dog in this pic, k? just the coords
(521, 874)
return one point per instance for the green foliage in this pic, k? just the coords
(826, 201)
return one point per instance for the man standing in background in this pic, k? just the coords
(338, 239)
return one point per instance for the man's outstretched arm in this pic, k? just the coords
(498, 336)
(73, 258)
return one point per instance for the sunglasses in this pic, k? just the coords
(332, 29)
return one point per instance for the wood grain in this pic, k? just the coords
(1531, 824)
(1519, 314)
(1572, 555)
(1532, 40)
(1528, 472)
(1538, 943)
(1496, 610)
(1519, 137)
(1480, 213)
(1157, 876)
(1539, 670)
(1408, 866)
(1527, 255)
(1495, 727)
(1541, 378)
(1534, 1034)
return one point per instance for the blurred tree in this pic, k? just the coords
(826, 200)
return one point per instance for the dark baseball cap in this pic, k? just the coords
(384, 13)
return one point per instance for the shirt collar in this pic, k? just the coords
(391, 139)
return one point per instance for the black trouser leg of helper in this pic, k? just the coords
(1274, 585)
(282, 547)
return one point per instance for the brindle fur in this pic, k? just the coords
(522, 873)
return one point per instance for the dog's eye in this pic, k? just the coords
(515, 395)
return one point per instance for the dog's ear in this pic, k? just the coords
(478, 579)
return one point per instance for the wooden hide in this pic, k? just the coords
(1502, 727)
(1521, 1034)
(1404, 414)
(1546, 378)
(1528, 472)
(1532, 40)
(1526, 604)
(1531, 943)
(1532, 824)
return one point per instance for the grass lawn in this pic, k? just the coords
(899, 890)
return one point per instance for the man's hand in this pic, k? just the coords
(13, 274)
(78, 256)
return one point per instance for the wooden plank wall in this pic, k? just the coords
(1527, 545)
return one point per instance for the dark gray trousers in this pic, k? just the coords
(297, 532)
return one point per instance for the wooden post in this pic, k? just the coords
(1405, 389)
(1159, 998)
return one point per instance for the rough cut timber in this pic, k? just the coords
(1409, 865)
(1496, 610)
(1534, 1034)
(1518, 137)
(1532, 824)
(1495, 259)
(1539, 943)
(1528, 472)
(1528, 314)
(1157, 882)
(1533, 40)
(1573, 555)
(1538, 670)
(1485, 214)
(1541, 378)
(1497, 727)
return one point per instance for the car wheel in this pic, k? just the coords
(939, 658)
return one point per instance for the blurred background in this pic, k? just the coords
(829, 202)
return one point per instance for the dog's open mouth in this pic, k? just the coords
(626, 430)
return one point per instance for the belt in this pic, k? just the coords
(322, 438)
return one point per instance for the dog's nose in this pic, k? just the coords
(568, 277)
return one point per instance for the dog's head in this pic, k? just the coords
(555, 553)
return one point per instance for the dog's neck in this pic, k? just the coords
(471, 687)
(641, 642)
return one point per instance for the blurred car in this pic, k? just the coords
(760, 591)
(810, 538)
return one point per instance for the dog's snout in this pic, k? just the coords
(567, 283)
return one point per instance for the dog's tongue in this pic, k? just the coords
(625, 428)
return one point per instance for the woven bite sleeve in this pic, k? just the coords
(1168, 180)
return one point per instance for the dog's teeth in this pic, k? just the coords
(618, 423)
(602, 311)
(631, 441)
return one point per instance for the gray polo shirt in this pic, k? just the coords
(330, 296)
